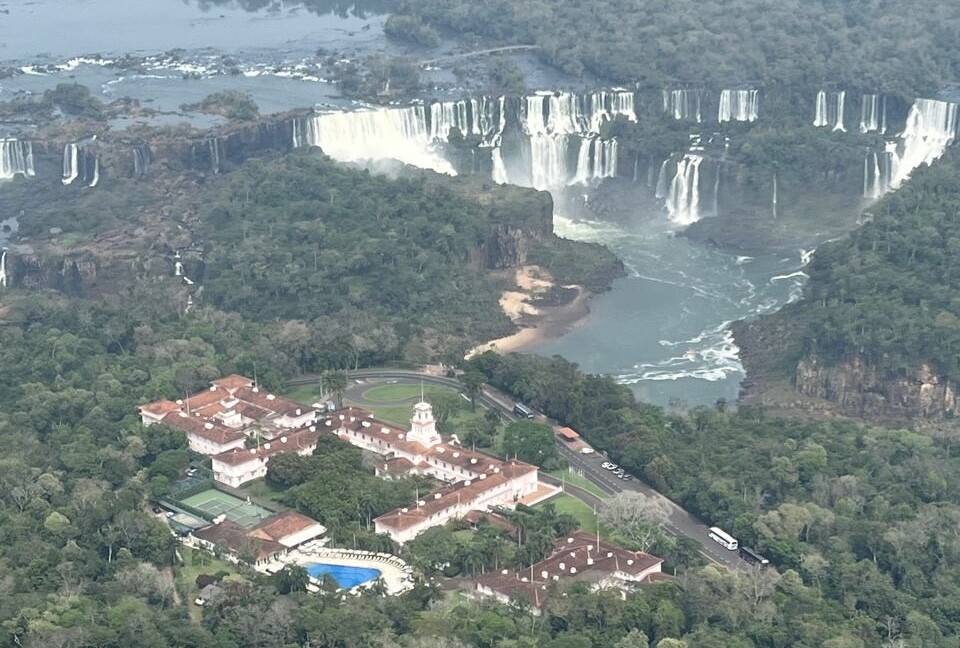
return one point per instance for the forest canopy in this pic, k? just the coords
(900, 48)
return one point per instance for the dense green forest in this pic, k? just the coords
(383, 262)
(390, 268)
(858, 520)
(888, 292)
(903, 49)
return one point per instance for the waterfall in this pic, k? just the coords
(385, 133)
(16, 158)
(891, 158)
(716, 190)
(3, 269)
(841, 99)
(636, 167)
(71, 163)
(297, 130)
(650, 173)
(774, 199)
(565, 113)
(830, 110)
(96, 171)
(738, 105)
(931, 127)
(870, 109)
(481, 117)
(682, 104)
(213, 144)
(875, 180)
(499, 167)
(583, 171)
(661, 191)
(821, 111)
(141, 160)
(558, 135)
(683, 200)
(879, 171)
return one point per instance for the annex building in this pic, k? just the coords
(579, 557)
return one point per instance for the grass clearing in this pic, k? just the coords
(196, 562)
(401, 392)
(579, 509)
(262, 489)
(399, 415)
(306, 394)
(579, 480)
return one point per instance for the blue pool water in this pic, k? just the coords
(345, 575)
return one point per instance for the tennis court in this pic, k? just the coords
(237, 511)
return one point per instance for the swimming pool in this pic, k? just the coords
(346, 576)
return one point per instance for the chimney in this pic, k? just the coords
(283, 439)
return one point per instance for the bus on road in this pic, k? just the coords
(753, 557)
(522, 411)
(723, 538)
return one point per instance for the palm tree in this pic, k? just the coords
(292, 578)
(473, 386)
(336, 382)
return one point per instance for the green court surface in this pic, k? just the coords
(239, 512)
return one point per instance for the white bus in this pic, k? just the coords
(723, 538)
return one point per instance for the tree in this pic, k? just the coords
(530, 441)
(633, 639)
(473, 382)
(636, 517)
(336, 382)
(292, 578)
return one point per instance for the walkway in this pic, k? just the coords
(483, 52)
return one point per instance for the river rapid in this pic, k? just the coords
(663, 329)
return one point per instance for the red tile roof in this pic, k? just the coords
(282, 526)
(295, 441)
(210, 430)
(576, 556)
(238, 540)
(233, 381)
(160, 407)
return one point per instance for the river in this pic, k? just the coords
(662, 329)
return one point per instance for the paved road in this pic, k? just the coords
(679, 523)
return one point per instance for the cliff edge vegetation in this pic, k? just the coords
(877, 333)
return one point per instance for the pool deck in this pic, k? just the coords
(396, 574)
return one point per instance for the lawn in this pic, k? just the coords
(399, 415)
(579, 480)
(262, 489)
(196, 562)
(577, 508)
(400, 392)
(306, 394)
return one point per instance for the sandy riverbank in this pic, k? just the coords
(537, 323)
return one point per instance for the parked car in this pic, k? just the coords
(619, 472)
(191, 472)
(626, 477)
(613, 467)
(607, 465)
(586, 450)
